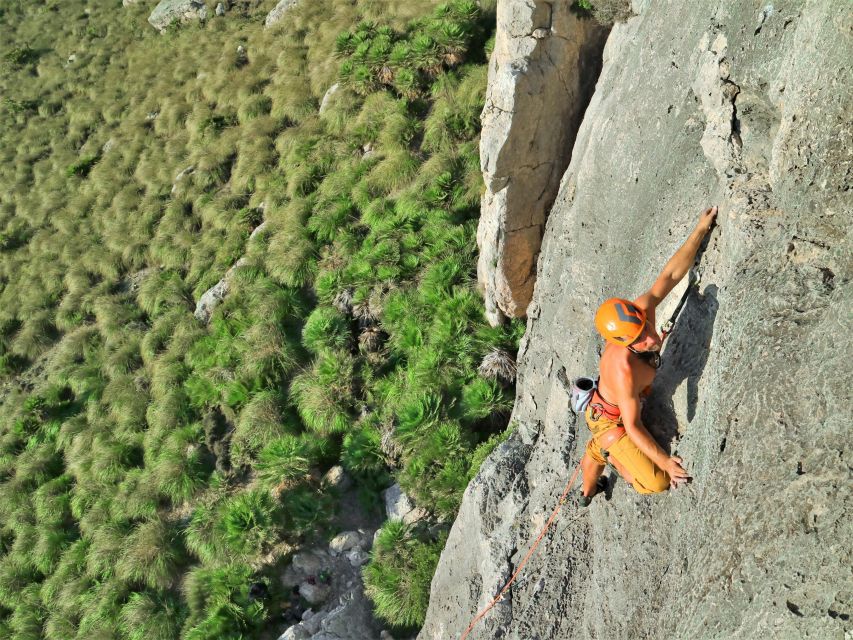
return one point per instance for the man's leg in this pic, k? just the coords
(621, 470)
(592, 466)
(647, 476)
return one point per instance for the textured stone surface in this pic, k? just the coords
(398, 506)
(338, 478)
(344, 542)
(169, 11)
(211, 298)
(314, 593)
(278, 12)
(331, 91)
(543, 69)
(332, 583)
(746, 106)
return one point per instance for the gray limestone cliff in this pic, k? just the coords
(746, 105)
(541, 76)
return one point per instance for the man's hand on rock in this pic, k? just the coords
(677, 474)
(706, 219)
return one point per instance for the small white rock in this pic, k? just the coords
(344, 542)
(307, 563)
(358, 558)
(296, 632)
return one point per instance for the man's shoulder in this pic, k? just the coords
(618, 367)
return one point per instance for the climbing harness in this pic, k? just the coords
(503, 590)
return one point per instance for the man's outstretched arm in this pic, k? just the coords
(679, 264)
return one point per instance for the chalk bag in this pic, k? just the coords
(582, 389)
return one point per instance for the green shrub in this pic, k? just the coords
(82, 167)
(484, 399)
(218, 602)
(261, 422)
(151, 616)
(182, 465)
(326, 328)
(306, 510)
(151, 555)
(323, 394)
(435, 471)
(362, 451)
(247, 522)
(106, 549)
(102, 261)
(19, 56)
(398, 577)
(284, 459)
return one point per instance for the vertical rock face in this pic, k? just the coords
(541, 75)
(746, 106)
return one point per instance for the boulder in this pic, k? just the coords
(338, 478)
(399, 506)
(169, 11)
(211, 298)
(351, 620)
(397, 503)
(296, 632)
(309, 563)
(278, 12)
(314, 593)
(344, 542)
(324, 103)
(358, 557)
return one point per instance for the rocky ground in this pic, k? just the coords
(328, 600)
(748, 106)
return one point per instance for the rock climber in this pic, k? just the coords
(626, 370)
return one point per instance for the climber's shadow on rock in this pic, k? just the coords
(684, 357)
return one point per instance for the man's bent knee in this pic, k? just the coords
(658, 483)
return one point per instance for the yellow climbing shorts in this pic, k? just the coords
(648, 477)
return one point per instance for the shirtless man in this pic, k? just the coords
(627, 369)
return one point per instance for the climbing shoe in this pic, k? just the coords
(600, 487)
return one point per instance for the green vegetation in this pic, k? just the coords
(606, 12)
(399, 576)
(151, 465)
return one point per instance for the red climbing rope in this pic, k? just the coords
(498, 597)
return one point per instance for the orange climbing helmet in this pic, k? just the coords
(620, 321)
